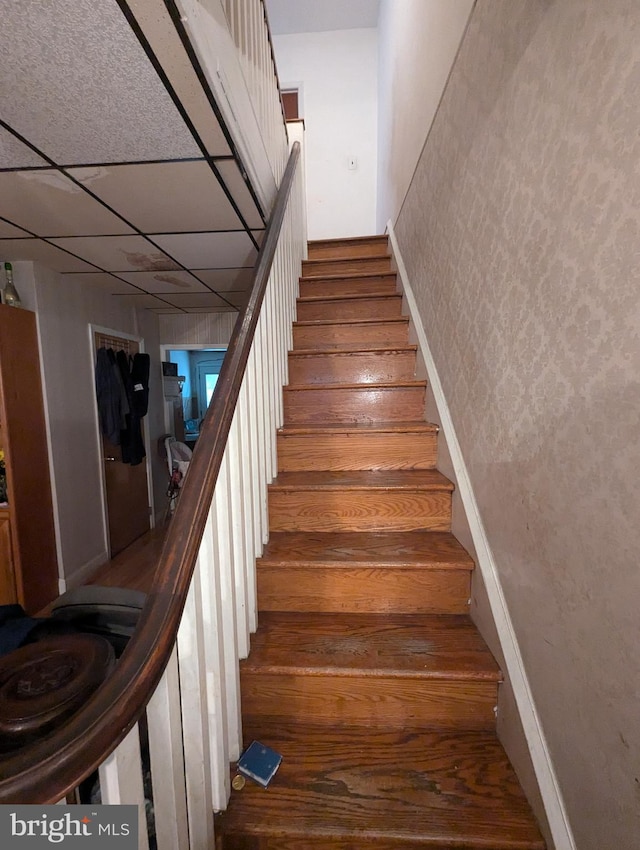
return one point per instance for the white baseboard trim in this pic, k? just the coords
(540, 756)
(85, 572)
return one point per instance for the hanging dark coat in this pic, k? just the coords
(135, 375)
(109, 394)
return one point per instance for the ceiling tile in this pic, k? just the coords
(160, 282)
(225, 280)
(49, 204)
(119, 253)
(148, 302)
(241, 195)
(10, 231)
(41, 252)
(209, 250)
(168, 197)
(15, 154)
(77, 58)
(197, 301)
(158, 28)
(103, 281)
(238, 299)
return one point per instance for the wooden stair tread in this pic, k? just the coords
(352, 349)
(361, 428)
(436, 646)
(363, 479)
(348, 240)
(315, 322)
(416, 550)
(360, 296)
(383, 385)
(354, 788)
(348, 276)
(355, 258)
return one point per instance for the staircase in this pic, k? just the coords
(366, 672)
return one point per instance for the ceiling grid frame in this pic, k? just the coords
(229, 277)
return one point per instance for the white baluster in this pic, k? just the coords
(224, 560)
(164, 720)
(246, 489)
(240, 566)
(211, 598)
(256, 487)
(195, 719)
(121, 781)
(262, 419)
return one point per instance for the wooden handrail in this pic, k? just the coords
(48, 769)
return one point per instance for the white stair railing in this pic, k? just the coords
(247, 24)
(179, 675)
(193, 718)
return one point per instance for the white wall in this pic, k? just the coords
(65, 310)
(148, 329)
(185, 329)
(337, 73)
(418, 41)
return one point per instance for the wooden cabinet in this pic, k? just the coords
(7, 583)
(28, 563)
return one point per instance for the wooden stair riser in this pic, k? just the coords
(374, 246)
(320, 268)
(385, 307)
(352, 509)
(383, 590)
(342, 405)
(352, 367)
(336, 335)
(304, 841)
(408, 450)
(364, 840)
(380, 700)
(345, 286)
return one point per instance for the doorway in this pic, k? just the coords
(198, 368)
(126, 487)
(290, 104)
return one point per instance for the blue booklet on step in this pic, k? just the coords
(259, 763)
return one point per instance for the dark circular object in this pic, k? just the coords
(44, 683)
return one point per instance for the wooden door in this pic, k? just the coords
(126, 487)
(290, 104)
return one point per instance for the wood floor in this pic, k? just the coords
(367, 673)
(134, 567)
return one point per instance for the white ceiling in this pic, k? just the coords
(290, 16)
(107, 174)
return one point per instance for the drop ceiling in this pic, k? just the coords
(115, 166)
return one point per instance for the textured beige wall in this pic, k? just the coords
(521, 235)
(417, 40)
